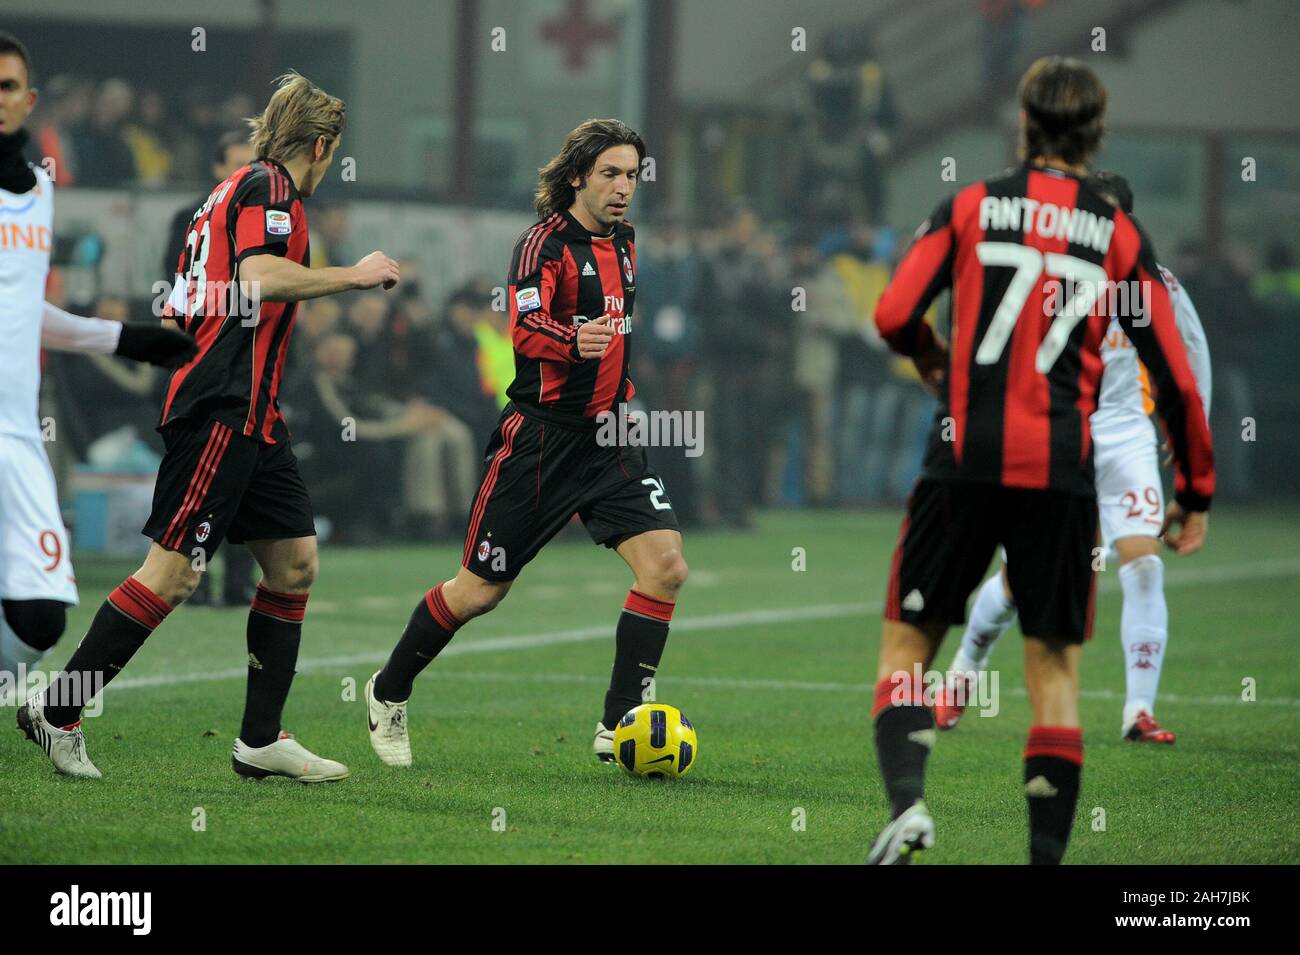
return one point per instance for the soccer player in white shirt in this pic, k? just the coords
(36, 581)
(1130, 502)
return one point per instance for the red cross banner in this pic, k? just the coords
(575, 41)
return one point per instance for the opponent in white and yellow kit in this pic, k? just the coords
(36, 580)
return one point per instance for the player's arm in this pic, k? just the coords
(270, 277)
(1159, 345)
(924, 272)
(63, 331)
(1195, 342)
(533, 330)
(264, 224)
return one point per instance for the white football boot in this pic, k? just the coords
(285, 757)
(900, 841)
(603, 744)
(387, 721)
(65, 747)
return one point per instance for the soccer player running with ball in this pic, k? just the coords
(1027, 255)
(571, 287)
(36, 579)
(229, 470)
(1130, 499)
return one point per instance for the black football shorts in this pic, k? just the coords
(951, 532)
(215, 484)
(537, 475)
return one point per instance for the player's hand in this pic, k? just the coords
(156, 345)
(375, 269)
(593, 337)
(1182, 530)
(930, 366)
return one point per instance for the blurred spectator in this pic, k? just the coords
(827, 317)
(496, 353)
(455, 380)
(61, 109)
(879, 439)
(329, 236)
(125, 393)
(147, 136)
(1221, 294)
(665, 358)
(316, 319)
(232, 152)
(434, 454)
(852, 121)
(1003, 25)
(385, 363)
(1275, 293)
(103, 156)
(747, 334)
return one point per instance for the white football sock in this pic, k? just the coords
(12, 653)
(1144, 631)
(991, 616)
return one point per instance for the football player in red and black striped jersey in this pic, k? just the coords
(1036, 260)
(229, 470)
(572, 282)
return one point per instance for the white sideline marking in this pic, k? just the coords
(1250, 570)
(728, 683)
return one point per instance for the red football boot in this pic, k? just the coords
(956, 693)
(1145, 729)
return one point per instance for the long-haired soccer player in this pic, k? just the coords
(1009, 462)
(229, 470)
(1130, 501)
(572, 282)
(36, 581)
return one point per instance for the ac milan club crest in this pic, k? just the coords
(627, 270)
(484, 550)
(201, 534)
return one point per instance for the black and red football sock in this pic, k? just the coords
(904, 737)
(431, 627)
(1053, 765)
(638, 646)
(121, 626)
(274, 633)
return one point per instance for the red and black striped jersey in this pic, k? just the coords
(235, 377)
(560, 277)
(1036, 262)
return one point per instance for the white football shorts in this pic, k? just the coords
(1130, 496)
(34, 560)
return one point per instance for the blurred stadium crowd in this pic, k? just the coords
(762, 324)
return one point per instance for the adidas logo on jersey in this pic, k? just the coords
(587, 269)
(914, 602)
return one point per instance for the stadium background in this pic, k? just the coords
(775, 170)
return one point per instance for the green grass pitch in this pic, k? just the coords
(773, 665)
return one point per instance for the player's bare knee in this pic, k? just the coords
(669, 573)
(179, 585)
(297, 576)
(469, 596)
(1130, 549)
(486, 598)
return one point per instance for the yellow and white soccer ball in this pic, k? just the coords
(656, 741)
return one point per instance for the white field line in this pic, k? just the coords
(1250, 570)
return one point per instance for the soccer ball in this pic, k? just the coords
(656, 741)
